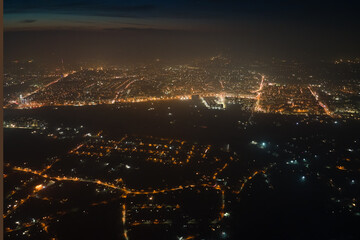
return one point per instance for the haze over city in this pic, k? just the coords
(137, 31)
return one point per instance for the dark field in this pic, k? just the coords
(299, 179)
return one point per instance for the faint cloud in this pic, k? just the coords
(28, 21)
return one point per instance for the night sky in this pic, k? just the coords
(133, 30)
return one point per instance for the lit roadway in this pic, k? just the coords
(116, 99)
(43, 223)
(326, 109)
(39, 89)
(49, 84)
(119, 91)
(257, 107)
(125, 191)
(128, 84)
(258, 97)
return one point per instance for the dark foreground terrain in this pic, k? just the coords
(170, 170)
